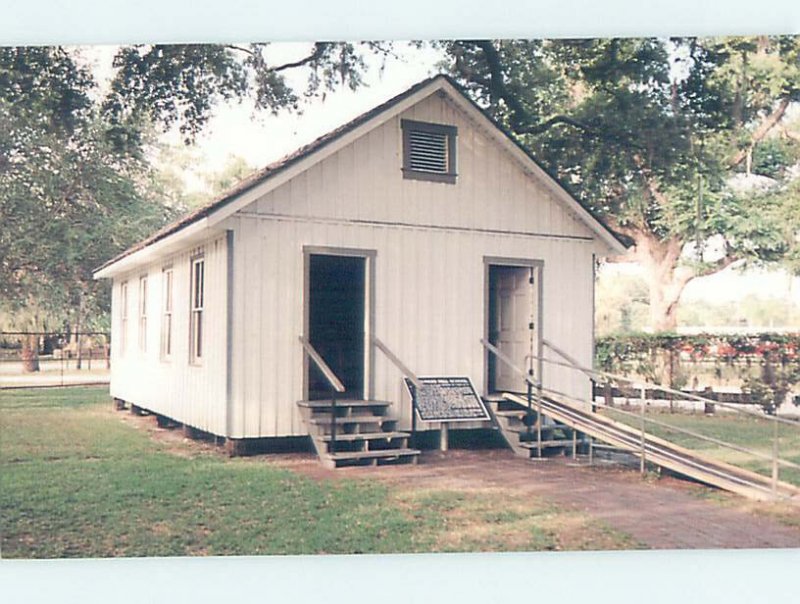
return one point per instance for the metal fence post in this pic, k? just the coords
(641, 426)
(539, 416)
(530, 406)
(333, 422)
(414, 416)
(775, 456)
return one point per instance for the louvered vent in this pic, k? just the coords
(427, 151)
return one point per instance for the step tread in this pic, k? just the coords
(343, 403)
(373, 454)
(512, 413)
(354, 419)
(545, 443)
(366, 436)
(545, 428)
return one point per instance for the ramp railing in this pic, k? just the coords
(642, 385)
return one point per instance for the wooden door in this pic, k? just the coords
(513, 323)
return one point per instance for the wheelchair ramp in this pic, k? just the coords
(662, 452)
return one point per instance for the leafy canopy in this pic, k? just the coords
(75, 184)
(648, 131)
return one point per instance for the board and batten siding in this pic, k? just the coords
(193, 394)
(430, 242)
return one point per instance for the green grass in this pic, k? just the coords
(76, 481)
(748, 431)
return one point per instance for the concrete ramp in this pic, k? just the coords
(662, 452)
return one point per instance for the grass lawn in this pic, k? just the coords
(750, 431)
(77, 481)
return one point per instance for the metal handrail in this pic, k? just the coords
(655, 447)
(573, 364)
(406, 373)
(643, 384)
(530, 384)
(335, 383)
(741, 449)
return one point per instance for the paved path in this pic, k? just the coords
(662, 514)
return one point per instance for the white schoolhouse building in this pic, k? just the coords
(393, 247)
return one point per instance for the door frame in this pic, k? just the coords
(536, 263)
(369, 307)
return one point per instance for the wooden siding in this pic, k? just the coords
(429, 309)
(363, 183)
(192, 394)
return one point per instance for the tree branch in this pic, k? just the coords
(522, 122)
(319, 50)
(763, 129)
(718, 266)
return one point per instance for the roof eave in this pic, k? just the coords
(196, 232)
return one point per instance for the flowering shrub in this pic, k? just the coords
(770, 362)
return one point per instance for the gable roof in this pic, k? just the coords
(263, 175)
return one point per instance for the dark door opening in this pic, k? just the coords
(336, 320)
(512, 325)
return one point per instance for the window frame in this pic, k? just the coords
(143, 313)
(123, 315)
(196, 311)
(167, 311)
(451, 132)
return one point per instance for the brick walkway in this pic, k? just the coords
(662, 514)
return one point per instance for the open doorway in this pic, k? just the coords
(513, 320)
(336, 288)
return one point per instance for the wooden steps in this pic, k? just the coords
(365, 433)
(367, 436)
(547, 444)
(326, 404)
(520, 429)
(361, 418)
(375, 455)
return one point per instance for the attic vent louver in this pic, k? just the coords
(429, 151)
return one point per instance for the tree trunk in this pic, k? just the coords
(664, 298)
(666, 280)
(30, 353)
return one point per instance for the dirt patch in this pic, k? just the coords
(657, 512)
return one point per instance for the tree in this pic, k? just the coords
(177, 172)
(180, 85)
(67, 200)
(75, 184)
(648, 132)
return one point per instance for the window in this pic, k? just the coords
(429, 151)
(143, 314)
(123, 305)
(166, 322)
(196, 327)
